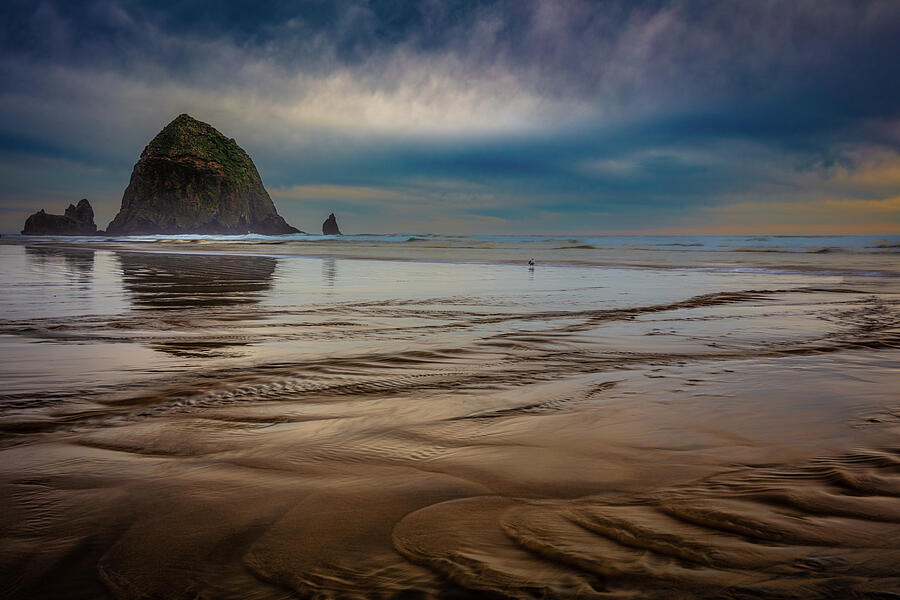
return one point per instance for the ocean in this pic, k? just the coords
(426, 416)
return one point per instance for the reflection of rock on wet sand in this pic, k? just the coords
(191, 282)
(187, 281)
(77, 262)
(329, 271)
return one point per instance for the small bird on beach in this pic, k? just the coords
(531, 262)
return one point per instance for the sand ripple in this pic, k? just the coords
(235, 443)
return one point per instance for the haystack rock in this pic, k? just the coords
(330, 226)
(192, 179)
(78, 220)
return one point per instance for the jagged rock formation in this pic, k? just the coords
(78, 220)
(192, 179)
(330, 226)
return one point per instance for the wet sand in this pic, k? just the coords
(178, 425)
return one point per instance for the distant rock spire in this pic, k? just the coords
(330, 226)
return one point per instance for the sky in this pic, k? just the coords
(444, 116)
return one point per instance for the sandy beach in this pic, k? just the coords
(179, 423)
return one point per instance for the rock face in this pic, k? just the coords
(78, 220)
(330, 226)
(192, 179)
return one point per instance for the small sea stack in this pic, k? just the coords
(330, 226)
(77, 220)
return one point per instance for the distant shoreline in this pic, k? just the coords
(879, 262)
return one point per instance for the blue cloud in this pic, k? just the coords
(635, 109)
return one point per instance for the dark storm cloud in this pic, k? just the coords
(467, 107)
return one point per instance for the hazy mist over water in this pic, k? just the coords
(427, 416)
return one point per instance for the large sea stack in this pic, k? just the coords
(192, 179)
(78, 220)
